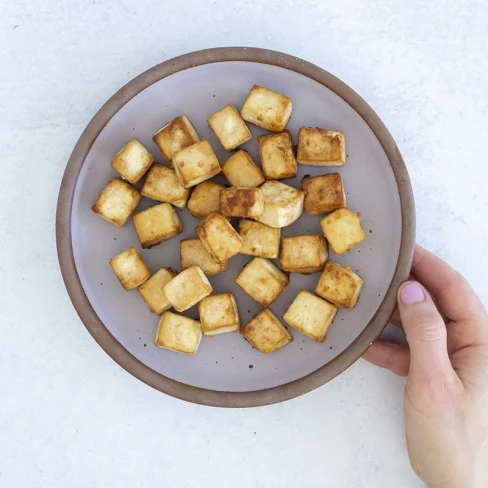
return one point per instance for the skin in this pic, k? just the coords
(446, 365)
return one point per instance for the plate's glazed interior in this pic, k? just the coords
(227, 362)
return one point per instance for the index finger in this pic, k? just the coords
(454, 295)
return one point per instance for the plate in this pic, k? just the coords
(227, 371)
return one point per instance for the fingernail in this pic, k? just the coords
(412, 293)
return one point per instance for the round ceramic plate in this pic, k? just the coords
(227, 371)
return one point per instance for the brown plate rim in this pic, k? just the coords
(88, 315)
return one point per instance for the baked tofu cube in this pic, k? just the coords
(241, 202)
(229, 128)
(117, 202)
(323, 193)
(277, 156)
(193, 252)
(260, 240)
(310, 315)
(219, 237)
(241, 170)
(218, 314)
(204, 199)
(175, 136)
(132, 161)
(157, 224)
(303, 254)
(267, 109)
(282, 204)
(195, 164)
(130, 268)
(266, 333)
(163, 185)
(178, 333)
(321, 147)
(262, 280)
(342, 229)
(339, 285)
(187, 288)
(152, 290)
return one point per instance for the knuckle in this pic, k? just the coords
(394, 362)
(430, 327)
(391, 357)
(400, 369)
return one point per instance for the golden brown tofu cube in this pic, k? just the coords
(157, 224)
(283, 205)
(163, 185)
(266, 333)
(195, 164)
(260, 240)
(303, 254)
(175, 136)
(178, 333)
(193, 252)
(204, 199)
(310, 315)
(117, 202)
(241, 202)
(132, 161)
(152, 290)
(241, 170)
(323, 193)
(229, 128)
(267, 109)
(342, 229)
(130, 268)
(218, 314)
(219, 237)
(277, 156)
(339, 285)
(262, 280)
(321, 147)
(187, 288)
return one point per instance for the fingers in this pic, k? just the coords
(426, 332)
(455, 297)
(389, 355)
(395, 319)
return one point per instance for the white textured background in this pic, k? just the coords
(69, 416)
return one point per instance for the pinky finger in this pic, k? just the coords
(389, 355)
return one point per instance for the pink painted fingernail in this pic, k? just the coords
(412, 293)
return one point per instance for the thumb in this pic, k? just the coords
(425, 330)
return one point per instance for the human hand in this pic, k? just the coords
(446, 364)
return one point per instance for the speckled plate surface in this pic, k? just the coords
(226, 371)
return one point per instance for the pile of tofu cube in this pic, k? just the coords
(263, 204)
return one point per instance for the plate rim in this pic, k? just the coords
(115, 349)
